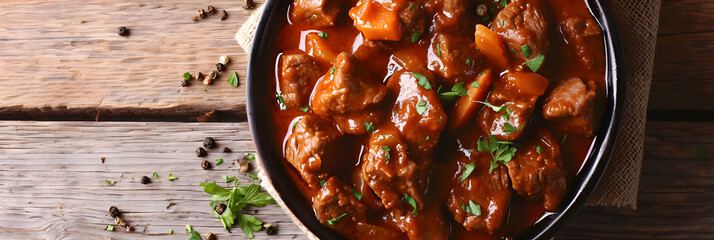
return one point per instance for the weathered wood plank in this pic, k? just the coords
(54, 65)
(52, 182)
(686, 16)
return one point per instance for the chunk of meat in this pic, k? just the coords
(451, 56)
(572, 104)
(536, 170)
(347, 87)
(387, 19)
(585, 37)
(310, 148)
(369, 231)
(388, 170)
(336, 203)
(429, 224)
(452, 13)
(417, 112)
(298, 75)
(318, 13)
(521, 23)
(354, 122)
(490, 191)
(518, 91)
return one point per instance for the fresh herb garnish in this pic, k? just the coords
(534, 64)
(501, 24)
(193, 235)
(475, 84)
(468, 62)
(305, 108)
(172, 177)
(322, 183)
(219, 161)
(171, 231)
(280, 101)
(333, 70)
(108, 182)
(494, 108)
(156, 175)
(237, 199)
(504, 3)
(438, 50)
(229, 178)
(472, 208)
(423, 81)
(411, 7)
(323, 35)
(250, 157)
(427, 138)
(469, 168)
(386, 153)
(457, 90)
(564, 137)
(253, 176)
(369, 126)
(187, 76)
(109, 228)
(421, 107)
(508, 128)
(233, 79)
(416, 36)
(411, 201)
(500, 151)
(336, 219)
(539, 149)
(505, 116)
(357, 194)
(526, 50)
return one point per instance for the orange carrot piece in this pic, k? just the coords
(318, 48)
(376, 21)
(491, 45)
(467, 106)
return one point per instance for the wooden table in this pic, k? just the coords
(62, 60)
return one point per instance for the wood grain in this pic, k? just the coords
(56, 65)
(686, 16)
(52, 182)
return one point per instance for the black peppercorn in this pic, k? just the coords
(224, 15)
(185, 83)
(220, 208)
(200, 152)
(209, 143)
(271, 230)
(114, 212)
(205, 165)
(129, 228)
(213, 75)
(123, 31)
(220, 67)
(210, 9)
(227, 150)
(145, 180)
(201, 14)
(248, 4)
(210, 236)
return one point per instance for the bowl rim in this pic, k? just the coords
(582, 186)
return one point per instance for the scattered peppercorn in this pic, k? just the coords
(201, 14)
(248, 4)
(114, 211)
(129, 228)
(227, 150)
(145, 180)
(209, 143)
(185, 83)
(195, 18)
(207, 80)
(210, 236)
(243, 165)
(224, 15)
(220, 67)
(210, 9)
(200, 152)
(220, 208)
(123, 31)
(120, 221)
(213, 75)
(198, 76)
(103, 159)
(271, 230)
(481, 10)
(224, 59)
(205, 165)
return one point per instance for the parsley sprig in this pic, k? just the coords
(237, 199)
(501, 151)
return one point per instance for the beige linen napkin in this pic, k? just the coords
(637, 22)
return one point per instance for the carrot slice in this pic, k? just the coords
(377, 21)
(491, 45)
(319, 49)
(467, 106)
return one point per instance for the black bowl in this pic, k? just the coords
(261, 66)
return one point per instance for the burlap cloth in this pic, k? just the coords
(637, 21)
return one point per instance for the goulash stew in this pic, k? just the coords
(436, 119)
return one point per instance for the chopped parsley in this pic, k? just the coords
(186, 76)
(505, 116)
(228, 178)
(171, 231)
(253, 176)
(108, 182)
(323, 35)
(438, 50)
(500, 151)
(535, 63)
(457, 90)
(501, 24)
(427, 138)
(322, 183)
(156, 175)
(250, 157)
(469, 168)
(564, 137)
(526, 50)
(475, 84)
(468, 62)
(472, 208)
(219, 161)
(280, 101)
(494, 108)
(539, 149)
(333, 70)
(386, 153)
(357, 194)
(336, 219)
(508, 128)
(369, 126)
(421, 107)
(423, 81)
(416, 36)
(237, 199)
(172, 177)
(305, 108)
(233, 79)
(109, 228)
(411, 7)
(411, 201)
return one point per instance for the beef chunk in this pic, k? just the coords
(310, 148)
(523, 24)
(318, 13)
(452, 13)
(490, 191)
(518, 91)
(387, 20)
(354, 122)
(537, 171)
(429, 224)
(572, 104)
(388, 170)
(298, 75)
(333, 200)
(417, 112)
(347, 87)
(369, 231)
(448, 54)
(584, 36)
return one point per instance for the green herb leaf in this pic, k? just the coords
(411, 201)
(336, 219)
(218, 193)
(369, 126)
(193, 235)
(564, 137)
(156, 175)
(253, 176)
(248, 224)
(323, 35)
(526, 50)
(411, 7)
(186, 76)
(501, 23)
(171, 231)
(423, 81)
(322, 183)
(475, 84)
(254, 197)
(468, 62)
(386, 153)
(539, 149)
(427, 138)
(504, 3)
(219, 161)
(280, 101)
(494, 108)
(500, 151)
(448, 96)
(250, 157)
(172, 177)
(472, 208)
(188, 228)
(505, 116)
(535, 63)
(421, 107)
(357, 194)
(333, 70)
(305, 108)
(438, 50)
(416, 36)
(459, 88)
(469, 168)
(108, 182)
(508, 128)
(109, 228)
(233, 79)
(229, 178)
